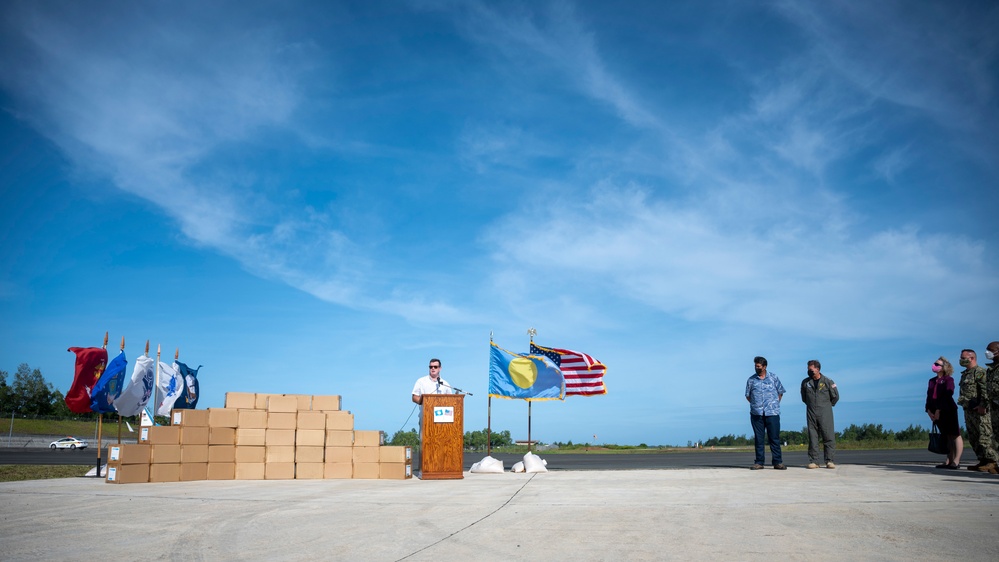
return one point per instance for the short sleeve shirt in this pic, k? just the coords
(764, 394)
(426, 385)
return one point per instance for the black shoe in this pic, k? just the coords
(779, 467)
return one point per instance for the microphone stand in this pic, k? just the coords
(458, 390)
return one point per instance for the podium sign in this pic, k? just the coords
(442, 447)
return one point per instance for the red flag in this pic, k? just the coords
(90, 363)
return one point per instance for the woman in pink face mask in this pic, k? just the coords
(942, 409)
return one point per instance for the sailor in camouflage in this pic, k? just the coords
(992, 385)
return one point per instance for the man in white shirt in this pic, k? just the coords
(431, 384)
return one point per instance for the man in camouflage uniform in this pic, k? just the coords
(992, 384)
(977, 412)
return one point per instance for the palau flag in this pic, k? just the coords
(170, 387)
(189, 399)
(525, 377)
(90, 362)
(108, 387)
(140, 388)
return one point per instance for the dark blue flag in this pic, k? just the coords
(189, 398)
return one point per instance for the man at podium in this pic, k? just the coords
(431, 384)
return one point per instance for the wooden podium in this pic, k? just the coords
(442, 445)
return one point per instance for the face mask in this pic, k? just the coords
(936, 368)
(989, 355)
(965, 362)
(759, 370)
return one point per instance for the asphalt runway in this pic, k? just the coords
(676, 459)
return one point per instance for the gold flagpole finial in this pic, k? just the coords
(176, 354)
(123, 343)
(105, 340)
(147, 347)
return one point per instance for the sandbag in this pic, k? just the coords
(518, 467)
(534, 463)
(488, 465)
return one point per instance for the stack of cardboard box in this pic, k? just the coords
(256, 437)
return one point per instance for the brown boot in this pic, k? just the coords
(990, 468)
(975, 466)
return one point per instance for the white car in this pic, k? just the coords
(68, 443)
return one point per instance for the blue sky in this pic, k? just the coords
(317, 198)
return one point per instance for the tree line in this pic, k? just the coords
(28, 394)
(474, 440)
(854, 433)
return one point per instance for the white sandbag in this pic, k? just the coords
(518, 467)
(488, 465)
(533, 463)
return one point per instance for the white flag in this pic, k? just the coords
(133, 399)
(170, 387)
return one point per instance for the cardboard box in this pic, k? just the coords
(262, 398)
(395, 454)
(327, 403)
(282, 404)
(144, 434)
(193, 435)
(339, 421)
(164, 454)
(169, 472)
(221, 470)
(194, 454)
(366, 470)
(394, 471)
(282, 420)
(310, 438)
(279, 437)
(365, 454)
(280, 454)
(279, 471)
(304, 401)
(250, 470)
(339, 438)
(338, 470)
(222, 435)
(252, 419)
(310, 454)
(164, 435)
(192, 418)
(245, 454)
(311, 420)
(367, 438)
(190, 472)
(256, 437)
(128, 453)
(221, 454)
(223, 417)
(309, 470)
(236, 400)
(127, 473)
(339, 455)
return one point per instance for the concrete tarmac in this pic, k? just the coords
(860, 512)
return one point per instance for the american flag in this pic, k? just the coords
(584, 375)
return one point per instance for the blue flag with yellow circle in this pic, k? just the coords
(524, 377)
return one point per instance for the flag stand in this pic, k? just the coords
(100, 418)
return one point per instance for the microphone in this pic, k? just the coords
(458, 390)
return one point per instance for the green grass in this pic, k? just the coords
(18, 472)
(80, 429)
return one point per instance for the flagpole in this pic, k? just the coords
(489, 409)
(119, 392)
(156, 386)
(100, 419)
(530, 332)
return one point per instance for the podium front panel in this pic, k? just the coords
(442, 450)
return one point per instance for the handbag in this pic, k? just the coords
(938, 443)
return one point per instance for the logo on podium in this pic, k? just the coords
(444, 414)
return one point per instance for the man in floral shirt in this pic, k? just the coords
(764, 392)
